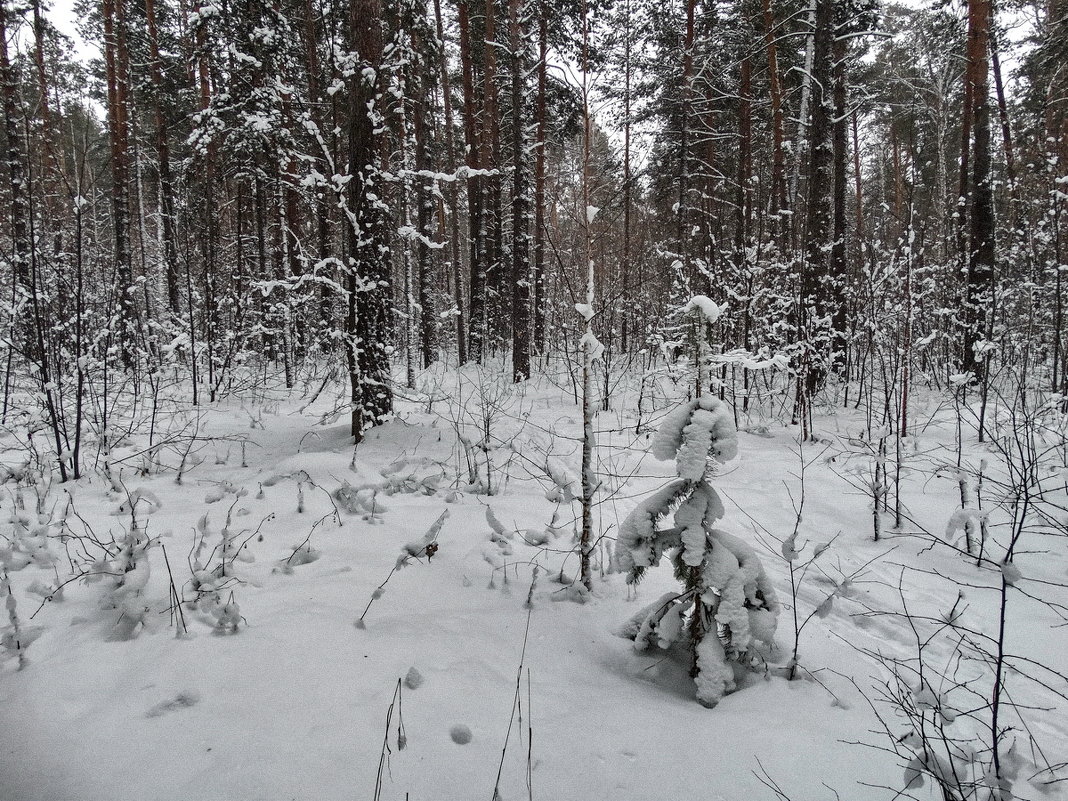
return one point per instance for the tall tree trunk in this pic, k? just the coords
(454, 225)
(116, 55)
(816, 300)
(980, 274)
(208, 240)
(15, 148)
(1006, 129)
(163, 161)
(520, 272)
(424, 215)
(803, 136)
(539, 182)
(839, 265)
(475, 195)
(685, 121)
(745, 139)
(367, 257)
(627, 294)
(777, 199)
(493, 217)
(589, 476)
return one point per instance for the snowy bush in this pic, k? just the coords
(726, 592)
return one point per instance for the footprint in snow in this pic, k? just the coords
(461, 734)
(182, 700)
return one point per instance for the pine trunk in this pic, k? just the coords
(980, 273)
(520, 278)
(367, 259)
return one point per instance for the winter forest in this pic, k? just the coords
(534, 399)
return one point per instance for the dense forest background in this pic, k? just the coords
(295, 188)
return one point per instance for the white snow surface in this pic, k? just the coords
(293, 704)
(705, 306)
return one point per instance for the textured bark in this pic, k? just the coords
(803, 136)
(777, 199)
(454, 225)
(493, 217)
(15, 148)
(685, 117)
(367, 257)
(980, 273)
(539, 184)
(209, 238)
(163, 161)
(475, 195)
(743, 195)
(116, 55)
(627, 311)
(839, 263)
(816, 297)
(424, 216)
(589, 477)
(520, 267)
(1006, 128)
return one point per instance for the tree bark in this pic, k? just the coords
(980, 273)
(163, 160)
(539, 183)
(475, 195)
(777, 199)
(116, 56)
(816, 293)
(520, 272)
(367, 259)
(454, 225)
(15, 148)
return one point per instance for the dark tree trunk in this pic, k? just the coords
(116, 55)
(980, 273)
(475, 196)
(15, 148)
(777, 201)
(163, 159)
(367, 257)
(539, 184)
(520, 272)
(454, 226)
(492, 211)
(685, 117)
(816, 295)
(424, 216)
(839, 265)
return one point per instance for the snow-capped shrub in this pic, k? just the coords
(727, 609)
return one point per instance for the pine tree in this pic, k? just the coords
(728, 609)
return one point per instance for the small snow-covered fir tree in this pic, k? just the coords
(728, 608)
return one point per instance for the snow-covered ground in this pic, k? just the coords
(294, 703)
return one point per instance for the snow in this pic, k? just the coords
(273, 693)
(705, 307)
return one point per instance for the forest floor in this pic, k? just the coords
(294, 704)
